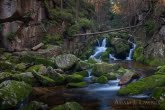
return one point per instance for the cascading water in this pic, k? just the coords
(99, 50)
(112, 57)
(131, 50)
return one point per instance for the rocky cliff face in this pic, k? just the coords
(21, 25)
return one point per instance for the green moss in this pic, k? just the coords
(104, 68)
(138, 54)
(74, 78)
(68, 106)
(77, 85)
(6, 65)
(162, 105)
(44, 80)
(82, 73)
(102, 80)
(12, 93)
(5, 76)
(58, 78)
(161, 70)
(34, 68)
(143, 85)
(105, 55)
(20, 67)
(159, 93)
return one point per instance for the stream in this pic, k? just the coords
(98, 96)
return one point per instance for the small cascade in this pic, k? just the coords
(112, 57)
(131, 50)
(113, 85)
(89, 73)
(99, 50)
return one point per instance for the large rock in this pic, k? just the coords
(69, 106)
(121, 46)
(66, 61)
(12, 93)
(128, 77)
(103, 68)
(144, 85)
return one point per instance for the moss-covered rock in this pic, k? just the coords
(159, 93)
(105, 55)
(34, 105)
(66, 61)
(6, 65)
(82, 73)
(138, 54)
(5, 76)
(74, 78)
(161, 70)
(57, 77)
(162, 105)
(37, 68)
(143, 85)
(121, 47)
(83, 65)
(12, 93)
(27, 77)
(68, 106)
(77, 85)
(102, 80)
(44, 80)
(20, 67)
(103, 68)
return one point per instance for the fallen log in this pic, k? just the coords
(112, 30)
(37, 46)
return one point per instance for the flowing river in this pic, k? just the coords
(97, 96)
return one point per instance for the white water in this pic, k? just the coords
(99, 50)
(89, 73)
(112, 57)
(131, 51)
(111, 86)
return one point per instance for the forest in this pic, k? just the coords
(82, 54)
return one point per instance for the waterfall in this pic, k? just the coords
(131, 50)
(112, 57)
(99, 50)
(98, 42)
(89, 73)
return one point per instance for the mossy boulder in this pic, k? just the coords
(44, 80)
(105, 55)
(77, 85)
(82, 73)
(68, 106)
(159, 93)
(138, 54)
(12, 93)
(5, 76)
(6, 65)
(37, 68)
(66, 61)
(102, 79)
(103, 68)
(74, 78)
(34, 105)
(143, 85)
(121, 47)
(20, 67)
(27, 77)
(83, 65)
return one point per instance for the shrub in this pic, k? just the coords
(85, 23)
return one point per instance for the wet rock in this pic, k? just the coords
(77, 85)
(37, 68)
(104, 68)
(12, 93)
(68, 106)
(102, 80)
(121, 46)
(143, 85)
(66, 61)
(82, 65)
(74, 78)
(82, 73)
(44, 80)
(59, 71)
(27, 77)
(128, 77)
